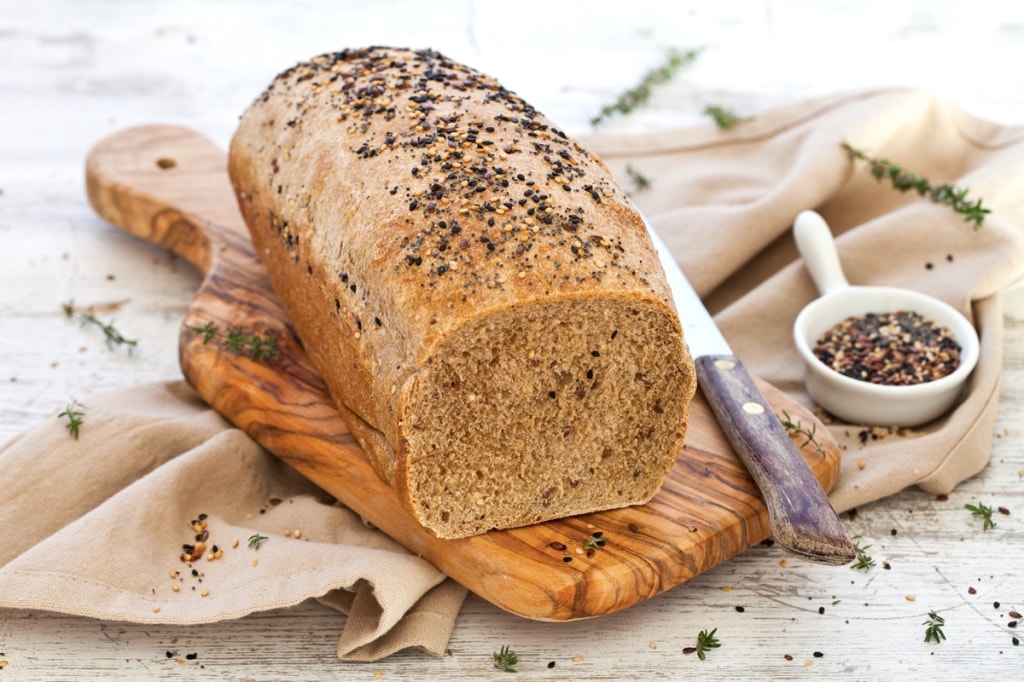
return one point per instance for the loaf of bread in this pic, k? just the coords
(481, 299)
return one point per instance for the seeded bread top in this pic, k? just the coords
(464, 173)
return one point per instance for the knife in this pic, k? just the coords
(801, 517)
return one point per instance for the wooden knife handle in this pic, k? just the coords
(802, 519)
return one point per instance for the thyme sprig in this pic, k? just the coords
(795, 427)
(904, 181)
(640, 181)
(933, 628)
(638, 95)
(504, 659)
(208, 330)
(724, 118)
(259, 348)
(863, 560)
(256, 540)
(75, 414)
(984, 511)
(705, 642)
(111, 335)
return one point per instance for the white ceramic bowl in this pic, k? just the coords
(861, 402)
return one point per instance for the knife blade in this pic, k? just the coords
(801, 517)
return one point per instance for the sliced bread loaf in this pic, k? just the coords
(480, 297)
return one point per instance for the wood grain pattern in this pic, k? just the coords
(169, 185)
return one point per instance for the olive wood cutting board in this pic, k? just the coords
(169, 185)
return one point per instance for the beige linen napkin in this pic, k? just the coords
(95, 526)
(725, 202)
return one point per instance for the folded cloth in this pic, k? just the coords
(98, 525)
(725, 201)
(101, 525)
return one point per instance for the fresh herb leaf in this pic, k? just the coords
(594, 542)
(112, 336)
(258, 347)
(504, 659)
(235, 341)
(933, 629)
(984, 511)
(208, 330)
(863, 561)
(795, 427)
(638, 95)
(705, 642)
(725, 118)
(905, 181)
(74, 414)
(640, 181)
(263, 348)
(256, 540)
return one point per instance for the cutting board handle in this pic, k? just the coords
(166, 184)
(169, 185)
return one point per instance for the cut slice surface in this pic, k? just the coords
(546, 410)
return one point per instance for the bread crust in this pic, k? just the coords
(396, 197)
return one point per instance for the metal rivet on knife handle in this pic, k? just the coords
(753, 408)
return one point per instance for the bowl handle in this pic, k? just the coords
(817, 248)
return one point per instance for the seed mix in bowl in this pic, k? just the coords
(901, 348)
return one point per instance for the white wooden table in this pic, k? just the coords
(74, 71)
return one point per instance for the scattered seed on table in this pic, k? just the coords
(901, 348)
